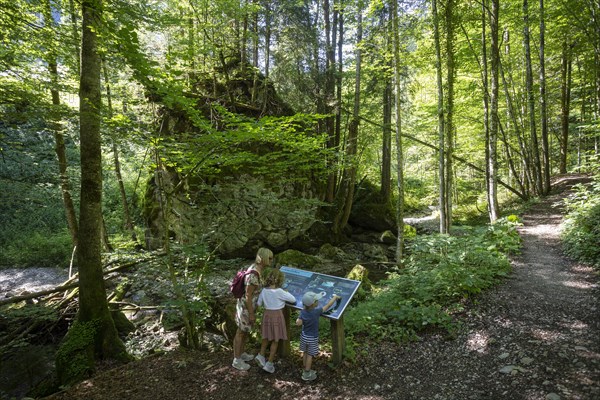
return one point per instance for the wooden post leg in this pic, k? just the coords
(285, 348)
(338, 340)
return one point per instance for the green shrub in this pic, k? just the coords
(40, 249)
(581, 229)
(439, 274)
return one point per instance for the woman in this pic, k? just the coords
(245, 316)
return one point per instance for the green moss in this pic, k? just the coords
(75, 357)
(360, 273)
(409, 231)
(124, 326)
(298, 259)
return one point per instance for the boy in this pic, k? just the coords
(309, 338)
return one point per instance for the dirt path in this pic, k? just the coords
(535, 337)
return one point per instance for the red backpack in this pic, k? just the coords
(238, 285)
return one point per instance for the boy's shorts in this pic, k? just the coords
(309, 344)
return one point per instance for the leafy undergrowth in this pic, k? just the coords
(440, 273)
(581, 229)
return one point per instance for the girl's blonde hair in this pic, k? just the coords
(263, 255)
(274, 277)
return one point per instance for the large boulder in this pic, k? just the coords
(236, 217)
(246, 181)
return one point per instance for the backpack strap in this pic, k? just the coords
(251, 271)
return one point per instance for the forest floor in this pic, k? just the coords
(535, 337)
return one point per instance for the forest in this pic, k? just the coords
(154, 147)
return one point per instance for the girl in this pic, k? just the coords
(273, 297)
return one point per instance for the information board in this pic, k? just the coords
(298, 282)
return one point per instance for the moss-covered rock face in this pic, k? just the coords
(330, 252)
(297, 259)
(237, 217)
(253, 182)
(360, 273)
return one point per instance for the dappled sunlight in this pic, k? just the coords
(478, 341)
(547, 231)
(579, 284)
(546, 335)
(575, 325)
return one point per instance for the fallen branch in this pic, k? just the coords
(41, 293)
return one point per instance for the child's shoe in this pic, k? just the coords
(309, 375)
(246, 357)
(240, 364)
(269, 367)
(260, 359)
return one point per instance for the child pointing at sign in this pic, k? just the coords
(309, 338)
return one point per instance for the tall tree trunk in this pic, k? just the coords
(192, 50)
(595, 11)
(399, 149)
(267, 39)
(440, 113)
(329, 89)
(75, 32)
(386, 140)
(244, 36)
(516, 120)
(530, 101)
(565, 105)
(93, 306)
(490, 140)
(267, 6)
(493, 209)
(59, 138)
(255, 41)
(128, 223)
(515, 126)
(449, 123)
(386, 148)
(543, 106)
(345, 195)
(339, 75)
(486, 100)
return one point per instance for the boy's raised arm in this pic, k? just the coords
(330, 302)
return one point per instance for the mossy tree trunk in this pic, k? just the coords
(94, 335)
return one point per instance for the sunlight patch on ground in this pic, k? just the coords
(579, 284)
(578, 325)
(548, 336)
(549, 231)
(478, 342)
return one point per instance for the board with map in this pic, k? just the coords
(298, 282)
